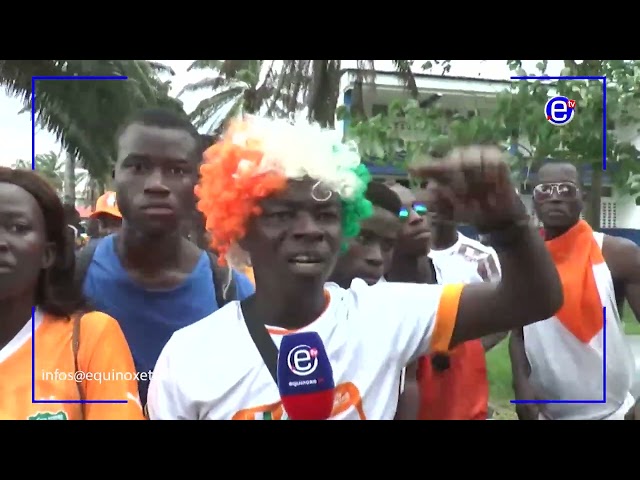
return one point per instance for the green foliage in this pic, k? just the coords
(49, 166)
(409, 132)
(85, 115)
(444, 64)
(580, 141)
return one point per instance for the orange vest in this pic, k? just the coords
(460, 392)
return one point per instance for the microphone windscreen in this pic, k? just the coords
(305, 377)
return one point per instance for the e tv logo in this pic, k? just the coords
(303, 360)
(560, 110)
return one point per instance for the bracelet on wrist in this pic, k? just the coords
(508, 235)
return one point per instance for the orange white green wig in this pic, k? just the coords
(255, 159)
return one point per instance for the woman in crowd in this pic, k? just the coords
(77, 355)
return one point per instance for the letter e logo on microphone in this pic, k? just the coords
(560, 110)
(303, 360)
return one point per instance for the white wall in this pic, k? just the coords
(628, 214)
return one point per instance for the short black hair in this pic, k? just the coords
(93, 227)
(208, 140)
(162, 118)
(56, 292)
(382, 196)
(561, 162)
(71, 215)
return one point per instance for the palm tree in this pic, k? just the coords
(252, 86)
(85, 115)
(50, 166)
(323, 88)
(238, 86)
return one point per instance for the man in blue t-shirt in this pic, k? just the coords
(148, 276)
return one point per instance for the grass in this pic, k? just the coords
(499, 366)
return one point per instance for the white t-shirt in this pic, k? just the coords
(466, 261)
(211, 370)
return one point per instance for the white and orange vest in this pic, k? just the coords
(565, 368)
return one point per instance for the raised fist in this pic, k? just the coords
(473, 185)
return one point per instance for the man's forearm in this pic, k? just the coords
(529, 290)
(530, 286)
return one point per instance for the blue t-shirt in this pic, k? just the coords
(148, 318)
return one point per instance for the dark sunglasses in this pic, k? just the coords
(564, 190)
(419, 208)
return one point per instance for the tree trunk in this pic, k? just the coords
(592, 214)
(70, 179)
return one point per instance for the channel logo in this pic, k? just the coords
(303, 360)
(559, 110)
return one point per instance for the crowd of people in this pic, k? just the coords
(277, 228)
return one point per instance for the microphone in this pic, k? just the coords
(305, 377)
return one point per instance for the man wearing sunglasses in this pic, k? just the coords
(562, 357)
(410, 255)
(410, 264)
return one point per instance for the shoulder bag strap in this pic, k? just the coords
(83, 261)
(265, 345)
(75, 345)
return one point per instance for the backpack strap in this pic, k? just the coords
(221, 276)
(75, 345)
(83, 262)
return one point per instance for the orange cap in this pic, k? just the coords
(107, 204)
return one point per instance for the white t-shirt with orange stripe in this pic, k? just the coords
(103, 358)
(211, 370)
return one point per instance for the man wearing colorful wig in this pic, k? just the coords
(290, 196)
(563, 357)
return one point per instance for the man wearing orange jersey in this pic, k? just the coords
(454, 385)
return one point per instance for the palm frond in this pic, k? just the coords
(206, 65)
(206, 83)
(208, 107)
(403, 67)
(84, 116)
